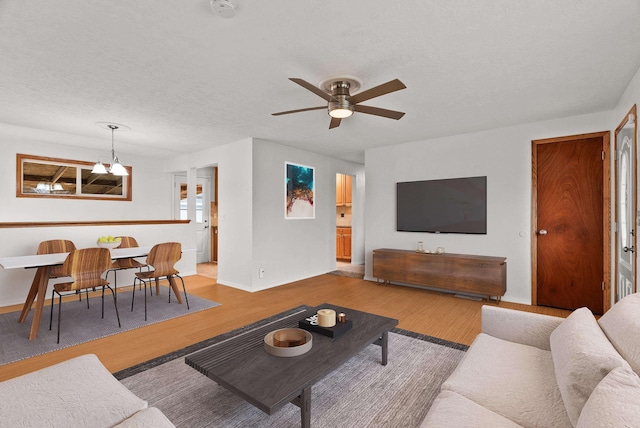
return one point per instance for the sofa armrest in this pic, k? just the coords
(526, 328)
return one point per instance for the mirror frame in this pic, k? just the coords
(22, 158)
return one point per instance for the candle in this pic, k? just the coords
(326, 317)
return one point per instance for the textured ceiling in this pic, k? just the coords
(185, 79)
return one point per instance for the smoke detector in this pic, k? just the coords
(225, 8)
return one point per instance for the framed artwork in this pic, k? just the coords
(299, 189)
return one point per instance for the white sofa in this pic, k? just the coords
(532, 370)
(79, 392)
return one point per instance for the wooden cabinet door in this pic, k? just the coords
(346, 243)
(340, 190)
(347, 190)
(343, 243)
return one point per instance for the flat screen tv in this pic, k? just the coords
(456, 205)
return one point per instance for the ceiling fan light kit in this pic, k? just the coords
(341, 104)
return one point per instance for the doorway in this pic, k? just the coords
(344, 203)
(203, 215)
(570, 219)
(626, 206)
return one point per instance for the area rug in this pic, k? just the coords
(361, 393)
(79, 324)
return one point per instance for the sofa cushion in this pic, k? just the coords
(513, 380)
(582, 357)
(615, 402)
(147, 418)
(621, 324)
(79, 392)
(453, 410)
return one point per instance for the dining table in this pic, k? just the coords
(43, 264)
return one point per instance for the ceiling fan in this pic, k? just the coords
(341, 104)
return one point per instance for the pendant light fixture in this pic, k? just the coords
(115, 167)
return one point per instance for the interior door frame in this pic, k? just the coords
(634, 165)
(606, 208)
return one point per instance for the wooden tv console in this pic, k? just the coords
(483, 275)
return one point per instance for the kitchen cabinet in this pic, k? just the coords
(343, 243)
(343, 190)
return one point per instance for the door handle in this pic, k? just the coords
(629, 249)
(542, 232)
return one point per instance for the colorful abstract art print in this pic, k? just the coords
(299, 188)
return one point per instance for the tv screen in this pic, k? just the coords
(456, 205)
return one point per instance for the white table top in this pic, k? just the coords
(34, 260)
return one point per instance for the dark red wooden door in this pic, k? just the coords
(570, 266)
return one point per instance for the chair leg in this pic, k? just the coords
(115, 284)
(145, 299)
(86, 290)
(133, 294)
(115, 303)
(52, 301)
(59, 314)
(186, 299)
(103, 301)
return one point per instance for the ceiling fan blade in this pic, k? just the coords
(391, 114)
(335, 122)
(319, 92)
(298, 111)
(385, 88)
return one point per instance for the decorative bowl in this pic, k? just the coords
(109, 245)
(288, 342)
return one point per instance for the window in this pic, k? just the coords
(43, 177)
(183, 203)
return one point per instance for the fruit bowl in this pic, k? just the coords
(110, 245)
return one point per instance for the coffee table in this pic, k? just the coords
(241, 364)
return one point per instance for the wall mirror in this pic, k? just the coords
(45, 177)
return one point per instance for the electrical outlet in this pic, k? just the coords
(261, 272)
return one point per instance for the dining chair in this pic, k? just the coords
(123, 264)
(86, 267)
(162, 258)
(54, 246)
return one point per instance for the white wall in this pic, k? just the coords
(150, 199)
(504, 156)
(252, 230)
(235, 207)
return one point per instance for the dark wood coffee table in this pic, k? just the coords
(242, 365)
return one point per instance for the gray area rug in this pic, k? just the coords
(79, 324)
(361, 393)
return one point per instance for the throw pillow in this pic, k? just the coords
(621, 324)
(614, 403)
(582, 357)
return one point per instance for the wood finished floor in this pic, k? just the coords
(436, 314)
